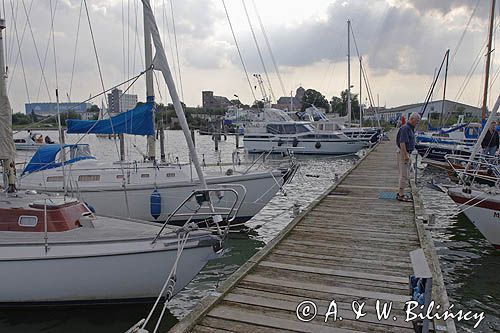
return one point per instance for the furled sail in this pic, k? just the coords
(7, 148)
(138, 121)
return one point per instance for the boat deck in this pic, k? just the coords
(349, 245)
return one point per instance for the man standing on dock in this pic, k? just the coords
(405, 140)
(490, 141)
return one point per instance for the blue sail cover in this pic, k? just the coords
(45, 157)
(138, 121)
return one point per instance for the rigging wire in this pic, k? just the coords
(47, 46)
(76, 49)
(94, 46)
(167, 26)
(239, 51)
(10, 51)
(258, 50)
(36, 49)
(6, 36)
(470, 73)
(276, 68)
(134, 78)
(123, 41)
(21, 58)
(461, 39)
(176, 48)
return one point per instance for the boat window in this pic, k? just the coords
(54, 179)
(289, 129)
(304, 128)
(80, 151)
(119, 176)
(310, 136)
(171, 174)
(145, 175)
(274, 128)
(89, 178)
(27, 221)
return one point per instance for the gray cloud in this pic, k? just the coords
(410, 39)
(407, 36)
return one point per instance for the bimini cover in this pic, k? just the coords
(138, 121)
(45, 157)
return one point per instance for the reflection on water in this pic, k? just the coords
(471, 266)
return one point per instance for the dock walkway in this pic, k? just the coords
(348, 245)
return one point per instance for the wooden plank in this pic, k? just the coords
(332, 260)
(305, 277)
(229, 313)
(344, 310)
(337, 290)
(334, 247)
(329, 271)
(222, 325)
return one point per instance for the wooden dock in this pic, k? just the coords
(348, 245)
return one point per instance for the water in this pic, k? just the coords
(471, 267)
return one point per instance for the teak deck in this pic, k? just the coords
(348, 245)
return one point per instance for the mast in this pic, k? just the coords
(7, 149)
(488, 60)
(161, 64)
(360, 90)
(61, 143)
(349, 72)
(447, 55)
(150, 94)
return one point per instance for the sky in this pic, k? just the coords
(401, 43)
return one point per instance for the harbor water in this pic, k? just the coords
(471, 267)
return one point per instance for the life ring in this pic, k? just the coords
(317, 145)
(295, 142)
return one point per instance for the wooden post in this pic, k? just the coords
(237, 137)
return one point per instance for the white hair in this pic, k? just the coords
(415, 115)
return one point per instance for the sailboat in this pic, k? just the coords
(55, 250)
(145, 190)
(481, 205)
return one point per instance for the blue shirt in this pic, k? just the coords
(406, 135)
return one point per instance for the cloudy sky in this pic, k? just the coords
(401, 43)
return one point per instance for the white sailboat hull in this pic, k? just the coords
(114, 203)
(107, 196)
(483, 210)
(85, 273)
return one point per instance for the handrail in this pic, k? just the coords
(481, 162)
(230, 215)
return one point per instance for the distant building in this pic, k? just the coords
(118, 102)
(89, 115)
(50, 109)
(450, 108)
(291, 103)
(210, 101)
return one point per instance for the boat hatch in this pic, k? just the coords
(27, 221)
